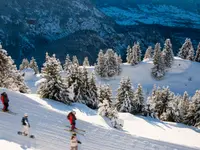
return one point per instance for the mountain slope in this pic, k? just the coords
(48, 119)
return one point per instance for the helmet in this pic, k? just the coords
(74, 112)
(25, 115)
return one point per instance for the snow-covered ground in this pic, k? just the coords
(48, 120)
(183, 76)
(166, 15)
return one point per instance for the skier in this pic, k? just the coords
(26, 125)
(74, 142)
(72, 119)
(5, 100)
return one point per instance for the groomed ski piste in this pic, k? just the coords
(48, 118)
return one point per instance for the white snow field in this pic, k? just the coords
(48, 119)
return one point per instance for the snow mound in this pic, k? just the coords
(6, 145)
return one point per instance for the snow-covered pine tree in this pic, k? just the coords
(129, 54)
(125, 95)
(93, 93)
(83, 94)
(138, 100)
(173, 106)
(158, 70)
(68, 64)
(148, 53)
(138, 50)
(119, 62)
(111, 63)
(193, 114)
(75, 60)
(104, 92)
(75, 80)
(168, 54)
(187, 50)
(9, 75)
(33, 65)
(53, 87)
(159, 103)
(86, 62)
(100, 68)
(24, 65)
(104, 108)
(46, 56)
(134, 57)
(197, 57)
(183, 106)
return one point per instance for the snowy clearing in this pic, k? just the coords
(48, 120)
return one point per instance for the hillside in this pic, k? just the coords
(48, 118)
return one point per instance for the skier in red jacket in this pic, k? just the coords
(5, 100)
(72, 119)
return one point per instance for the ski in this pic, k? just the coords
(74, 132)
(30, 136)
(76, 128)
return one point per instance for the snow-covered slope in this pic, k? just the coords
(183, 76)
(162, 14)
(48, 118)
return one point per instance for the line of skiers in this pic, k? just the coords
(26, 125)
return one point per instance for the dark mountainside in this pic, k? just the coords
(77, 27)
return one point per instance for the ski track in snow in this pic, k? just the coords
(48, 127)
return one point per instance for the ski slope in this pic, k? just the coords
(48, 120)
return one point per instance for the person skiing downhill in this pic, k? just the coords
(74, 142)
(72, 119)
(5, 100)
(25, 124)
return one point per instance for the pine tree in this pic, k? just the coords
(111, 63)
(100, 68)
(193, 114)
(129, 54)
(53, 87)
(197, 57)
(168, 54)
(75, 60)
(119, 62)
(104, 108)
(25, 64)
(187, 50)
(138, 50)
(183, 106)
(93, 93)
(34, 66)
(68, 64)
(9, 75)
(160, 101)
(138, 100)
(134, 57)
(158, 70)
(86, 62)
(125, 95)
(148, 53)
(104, 92)
(47, 56)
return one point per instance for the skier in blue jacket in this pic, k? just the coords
(25, 124)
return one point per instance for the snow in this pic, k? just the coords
(48, 119)
(167, 15)
(177, 78)
(11, 146)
